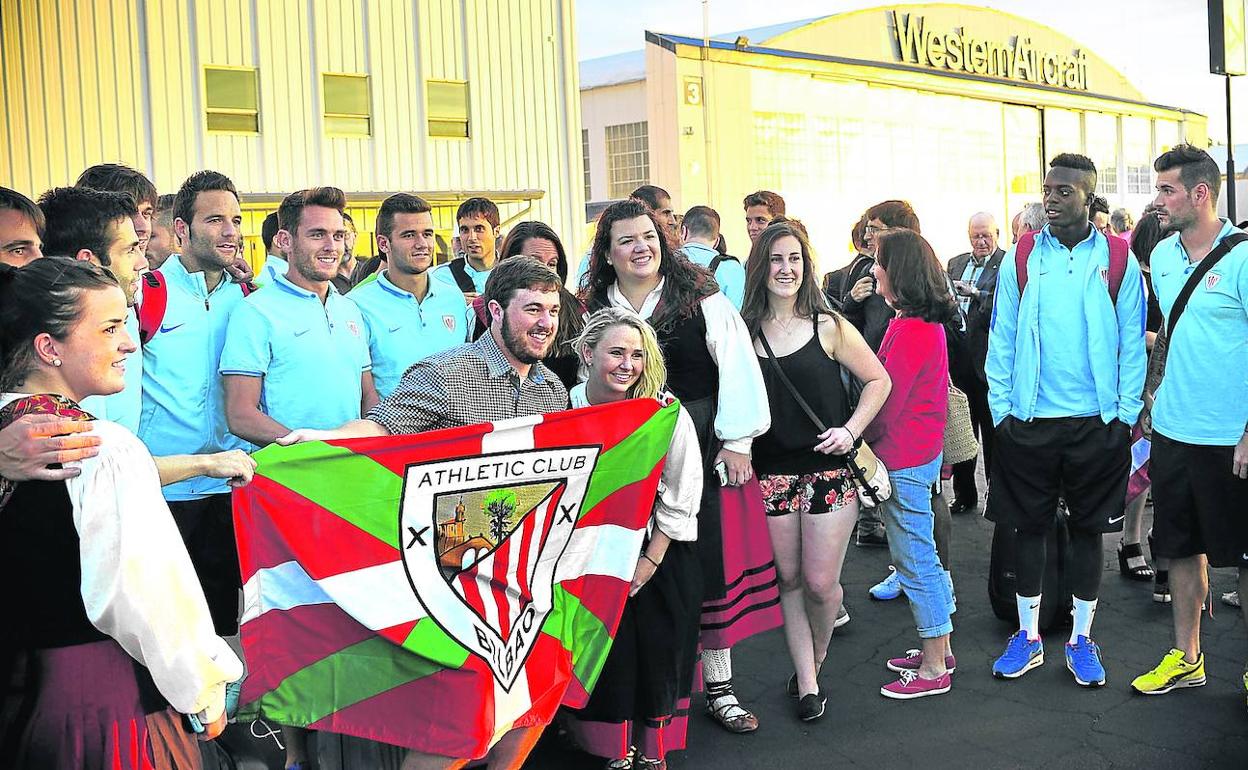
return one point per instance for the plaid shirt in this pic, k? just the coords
(466, 385)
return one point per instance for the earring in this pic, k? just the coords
(56, 362)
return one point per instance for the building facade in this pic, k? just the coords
(443, 98)
(954, 108)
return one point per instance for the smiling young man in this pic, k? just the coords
(294, 352)
(115, 177)
(1200, 414)
(406, 315)
(183, 399)
(1065, 371)
(477, 226)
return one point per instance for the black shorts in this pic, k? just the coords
(1199, 506)
(1079, 459)
(207, 528)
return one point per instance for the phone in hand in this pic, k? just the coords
(721, 470)
(192, 724)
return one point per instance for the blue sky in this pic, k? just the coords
(1160, 45)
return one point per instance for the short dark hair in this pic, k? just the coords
(512, 275)
(268, 229)
(1098, 205)
(164, 210)
(478, 207)
(702, 221)
(895, 213)
(43, 296)
(118, 178)
(650, 195)
(290, 212)
(399, 203)
(1077, 162)
(1194, 165)
(200, 181)
(773, 201)
(919, 284)
(15, 201)
(82, 218)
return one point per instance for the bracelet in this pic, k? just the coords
(852, 438)
(652, 561)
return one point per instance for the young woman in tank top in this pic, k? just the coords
(811, 501)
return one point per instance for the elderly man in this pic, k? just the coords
(974, 276)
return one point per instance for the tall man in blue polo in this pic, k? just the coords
(1200, 415)
(407, 316)
(295, 353)
(1065, 372)
(477, 225)
(183, 405)
(699, 230)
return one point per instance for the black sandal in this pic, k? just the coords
(1141, 571)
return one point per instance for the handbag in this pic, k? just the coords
(960, 442)
(869, 474)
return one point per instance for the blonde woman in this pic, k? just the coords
(628, 720)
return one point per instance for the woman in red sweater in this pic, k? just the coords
(908, 437)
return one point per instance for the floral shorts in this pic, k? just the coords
(812, 493)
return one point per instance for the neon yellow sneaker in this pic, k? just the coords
(1173, 671)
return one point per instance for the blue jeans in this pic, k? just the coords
(908, 520)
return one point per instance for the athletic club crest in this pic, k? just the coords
(1105, 275)
(449, 322)
(1211, 280)
(481, 539)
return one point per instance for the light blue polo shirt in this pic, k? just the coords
(183, 400)
(124, 406)
(273, 267)
(310, 355)
(400, 330)
(1066, 387)
(1203, 397)
(730, 274)
(479, 277)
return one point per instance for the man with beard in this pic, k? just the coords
(183, 400)
(407, 316)
(974, 276)
(499, 376)
(298, 336)
(1065, 372)
(1200, 436)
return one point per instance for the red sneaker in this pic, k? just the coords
(911, 685)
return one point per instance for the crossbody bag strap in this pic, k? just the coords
(1211, 259)
(789, 384)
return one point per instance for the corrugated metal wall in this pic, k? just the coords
(122, 80)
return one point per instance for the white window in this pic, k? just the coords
(628, 158)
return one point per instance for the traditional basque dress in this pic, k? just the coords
(650, 666)
(712, 369)
(109, 635)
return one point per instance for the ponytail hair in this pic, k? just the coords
(42, 297)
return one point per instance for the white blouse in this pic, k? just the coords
(138, 584)
(742, 412)
(680, 484)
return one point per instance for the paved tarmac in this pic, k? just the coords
(1041, 720)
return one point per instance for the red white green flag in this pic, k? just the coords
(434, 591)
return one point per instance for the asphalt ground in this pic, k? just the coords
(1040, 720)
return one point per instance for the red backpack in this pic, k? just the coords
(1118, 251)
(156, 300)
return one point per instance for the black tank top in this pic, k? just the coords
(787, 447)
(691, 372)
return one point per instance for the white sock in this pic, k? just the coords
(1029, 615)
(717, 669)
(1083, 614)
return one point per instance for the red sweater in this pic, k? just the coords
(910, 429)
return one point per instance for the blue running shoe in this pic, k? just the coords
(1083, 658)
(1021, 655)
(887, 589)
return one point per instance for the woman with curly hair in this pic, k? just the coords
(706, 346)
(809, 494)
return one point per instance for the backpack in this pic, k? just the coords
(719, 258)
(1055, 602)
(156, 301)
(1118, 251)
(460, 274)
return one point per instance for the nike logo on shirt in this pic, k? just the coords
(302, 332)
(167, 329)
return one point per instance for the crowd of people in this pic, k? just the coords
(142, 359)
